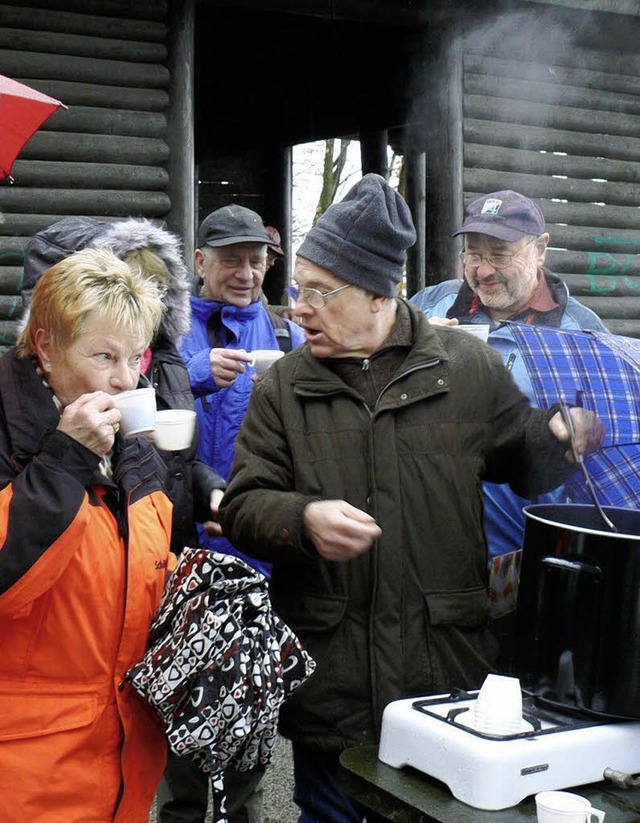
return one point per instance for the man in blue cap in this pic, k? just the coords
(505, 244)
(357, 475)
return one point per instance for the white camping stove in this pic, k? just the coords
(554, 749)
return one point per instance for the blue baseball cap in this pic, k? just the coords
(506, 215)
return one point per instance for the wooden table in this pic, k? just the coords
(408, 796)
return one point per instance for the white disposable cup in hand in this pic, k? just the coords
(174, 429)
(138, 410)
(565, 807)
(498, 708)
(261, 359)
(479, 330)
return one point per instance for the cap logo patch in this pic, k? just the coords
(491, 206)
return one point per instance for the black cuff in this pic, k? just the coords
(72, 456)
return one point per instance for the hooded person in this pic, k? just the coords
(357, 475)
(194, 487)
(51, 245)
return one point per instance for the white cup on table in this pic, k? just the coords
(566, 807)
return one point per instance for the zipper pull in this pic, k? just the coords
(365, 364)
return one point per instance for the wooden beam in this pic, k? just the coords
(96, 148)
(181, 166)
(443, 145)
(86, 201)
(45, 174)
(389, 12)
(82, 23)
(629, 7)
(94, 94)
(79, 44)
(538, 138)
(83, 69)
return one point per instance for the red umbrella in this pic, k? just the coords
(22, 111)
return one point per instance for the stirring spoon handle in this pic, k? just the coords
(566, 416)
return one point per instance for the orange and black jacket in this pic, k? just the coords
(83, 562)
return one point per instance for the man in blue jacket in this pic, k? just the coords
(505, 244)
(229, 320)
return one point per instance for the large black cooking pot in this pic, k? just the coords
(578, 615)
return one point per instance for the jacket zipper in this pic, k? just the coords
(428, 365)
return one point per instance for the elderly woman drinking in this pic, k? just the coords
(84, 551)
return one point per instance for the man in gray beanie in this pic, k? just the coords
(364, 238)
(357, 475)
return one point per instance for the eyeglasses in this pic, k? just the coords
(315, 298)
(498, 261)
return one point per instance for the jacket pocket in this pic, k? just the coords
(27, 715)
(459, 649)
(309, 613)
(466, 608)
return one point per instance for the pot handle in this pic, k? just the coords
(562, 564)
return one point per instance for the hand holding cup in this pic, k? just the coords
(261, 359)
(92, 419)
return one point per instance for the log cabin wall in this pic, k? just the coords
(107, 155)
(551, 108)
(545, 100)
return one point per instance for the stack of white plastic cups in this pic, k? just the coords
(498, 707)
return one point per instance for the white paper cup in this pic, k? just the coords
(138, 410)
(565, 807)
(261, 359)
(498, 707)
(174, 429)
(479, 330)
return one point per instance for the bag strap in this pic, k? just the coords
(281, 330)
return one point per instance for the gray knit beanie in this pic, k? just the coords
(364, 238)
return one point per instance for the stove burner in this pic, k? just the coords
(540, 716)
(531, 724)
(559, 749)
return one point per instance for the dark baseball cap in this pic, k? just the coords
(506, 215)
(274, 236)
(232, 224)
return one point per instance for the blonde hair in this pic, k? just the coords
(150, 264)
(91, 282)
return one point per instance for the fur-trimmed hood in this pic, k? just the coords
(49, 246)
(134, 233)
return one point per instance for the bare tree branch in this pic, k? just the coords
(332, 170)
